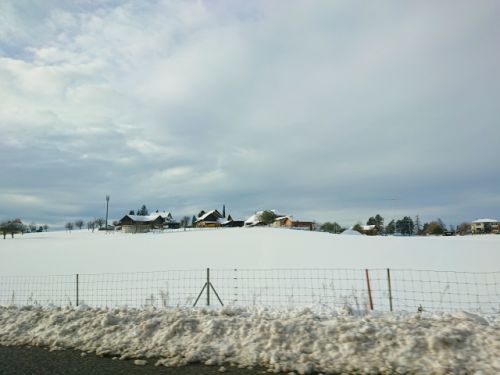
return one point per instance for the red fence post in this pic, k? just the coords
(369, 289)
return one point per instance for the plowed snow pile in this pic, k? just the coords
(303, 341)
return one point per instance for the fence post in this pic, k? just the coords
(389, 287)
(369, 289)
(77, 290)
(208, 286)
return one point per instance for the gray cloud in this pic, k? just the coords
(327, 111)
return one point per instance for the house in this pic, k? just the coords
(304, 225)
(169, 222)
(210, 219)
(143, 224)
(485, 226)
(230, 223)
(369, 230)
(140, 224)
(282, 222)
(256, 219)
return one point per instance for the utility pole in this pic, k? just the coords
(107, 206)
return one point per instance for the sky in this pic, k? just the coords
(324, 110)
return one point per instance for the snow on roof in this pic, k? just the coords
(207, 214)
(351, 232)
(165, 214)
(368, 227)
(146, 218)
(485, 221)
(282, 217)
(255, 218)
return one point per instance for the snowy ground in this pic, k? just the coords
(281, 340)
(335, 334)
(87, 252)
(248, 268)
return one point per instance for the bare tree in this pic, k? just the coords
(91, 225)
(184, 221)
(11, 227)
(79, 224)
(99, 222)
(463, 229)
(69, 226)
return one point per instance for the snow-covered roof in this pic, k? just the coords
(282, 218)
(368, 227)
(146, 218)
(352, 232)
(207, 214)
(485, 221)
(255, 218)
(165, 214)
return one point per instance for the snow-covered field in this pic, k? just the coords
(302, 341)
(253, 268)
(87, 252)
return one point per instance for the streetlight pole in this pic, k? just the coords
(107, 206)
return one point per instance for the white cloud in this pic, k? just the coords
(257, 102)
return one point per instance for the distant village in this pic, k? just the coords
(145, 222)
(142, 221)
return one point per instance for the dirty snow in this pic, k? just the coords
(302, 340)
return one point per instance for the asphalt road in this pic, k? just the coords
(39, 361)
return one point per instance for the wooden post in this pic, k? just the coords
(369, 289)
(389, 287)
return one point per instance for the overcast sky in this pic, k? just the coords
(324, 110)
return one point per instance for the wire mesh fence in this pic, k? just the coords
(355, 289)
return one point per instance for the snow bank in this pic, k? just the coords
(281, 340)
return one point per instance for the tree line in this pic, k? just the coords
(405, 226)
(15, 226)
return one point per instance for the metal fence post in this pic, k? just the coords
(369, 289)
(389, 287)
(208, 286)
(77, 291)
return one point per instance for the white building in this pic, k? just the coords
(485, 226)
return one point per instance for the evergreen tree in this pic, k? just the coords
(378, 221)
(487, 228)
(405, 226)
(143, 211)
(434, 227)
(331, 227)
(193, 220)
(267, 217)
(391, 227)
